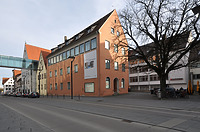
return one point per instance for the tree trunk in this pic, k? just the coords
(163, 86)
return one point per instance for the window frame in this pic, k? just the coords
(107, 81)
(87, 43)
(107, 61)
(107, 42)
(82, 46)
(93, 43)
(76, 68)
(116, 68)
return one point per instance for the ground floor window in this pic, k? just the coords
(68, 85)
(89, 87)
(122, 83)
(107, 82)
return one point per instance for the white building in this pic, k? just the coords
(8, 85)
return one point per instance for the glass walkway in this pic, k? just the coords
(16, 62)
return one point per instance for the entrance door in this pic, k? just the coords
(116, 82)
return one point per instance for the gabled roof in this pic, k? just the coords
(87, 31)
(33, 52)
(4, 80)
(16, 72)
(44, 55)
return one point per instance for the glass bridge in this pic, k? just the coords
(16, 62)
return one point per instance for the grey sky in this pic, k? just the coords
(44, 23)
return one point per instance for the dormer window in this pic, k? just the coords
(77, 37)
(89, 30)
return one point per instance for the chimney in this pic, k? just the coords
(65, 38)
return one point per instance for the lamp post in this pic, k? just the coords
(39, 78)
(72, 57)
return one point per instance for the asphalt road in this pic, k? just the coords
(65, 115)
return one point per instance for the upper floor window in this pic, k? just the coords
(123, 51)
(57, 59)
(82, 48)
(55, 73)
(87, 46)
(107, 44)
(107, 62)
(93, 43)
(118, 33)
(61, 71)
(116, 48)
(75, 68)
(49, 61)
(116, 65)
(77, 50)
(61, 57)
(112, 30)
(64, 56)
(68, 54)
(68, 70)
(72, 52)
(54, 60)
(50, 74)
(123, 67)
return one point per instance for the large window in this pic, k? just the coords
(81, 48)
(87, 46)
(61, 71)
(55, 73)
(107, 82)
(64, 56)
(58, 59)
(68, 54)
(116, 48)
(76, 68)
(89, 87)
(72, 52)
(93, 43)
(61, 86)
(116, 65)
(77, 50)
(107, 62)
(61, 57)
(68, 85)
(56, 86)
(123, 67)
(54, 60)
(122, 83)
(107, 44)
(68, 70)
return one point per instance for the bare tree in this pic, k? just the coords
(166, 26)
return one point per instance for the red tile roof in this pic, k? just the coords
(4, 80)
(17, 72)
(33, 52)
(45, 54)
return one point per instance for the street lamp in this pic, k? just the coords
(71, 57)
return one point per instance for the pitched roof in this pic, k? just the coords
(87, 31)
(33, 52)
(44, 55)
(4, 80)
(16, 72)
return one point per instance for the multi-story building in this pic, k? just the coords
(142, 78)
(29, 75)
(8, 85)
(90, 62)
(17, 77)
(41, 76)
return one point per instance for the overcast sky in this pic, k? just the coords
(44, 23)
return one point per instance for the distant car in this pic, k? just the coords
(25, 94)
(18, 94)
(34, 95)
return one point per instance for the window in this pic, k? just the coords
(57, 59)
(87, 46)
(75, 68)
(143, 78)
(133, 79)
(107, 44)
(50, 74)
(61, 86)
(116, 65)
(55, 73)
(61, 71)
(68, 54)
(123, 67)
(49, 61)
(118, 33)
(93, 43)
(56, 87)
(116, 48)
(107, 82)
(72, 52)
(54, 60)
(112, 30)
(107, 62)
(81, 48)
(77, 50)
(122, 83)
(68, 85)
(61, 57)
(45, 75)
(64, 56)
(123, 51)
(89, 87)
(68, 70)
(50, 86)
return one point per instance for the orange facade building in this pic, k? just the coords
(98, 61)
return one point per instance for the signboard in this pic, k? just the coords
(90, 65)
